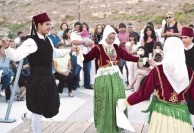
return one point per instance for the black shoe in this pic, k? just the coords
(88, 87)
(74, 88)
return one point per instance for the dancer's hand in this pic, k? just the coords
(75, 49)
(122, 104)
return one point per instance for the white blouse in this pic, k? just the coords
(28, 47)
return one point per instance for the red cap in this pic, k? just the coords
(41, 18)
(186, 31)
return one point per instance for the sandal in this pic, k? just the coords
(21, 98)
(18, 98)
(26, 117)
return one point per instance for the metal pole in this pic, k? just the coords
(7, 120)
(79, 6)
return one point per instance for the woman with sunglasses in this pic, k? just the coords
(171, 28)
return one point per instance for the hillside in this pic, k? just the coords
(16, 14)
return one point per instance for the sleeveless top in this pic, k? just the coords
(173, 29)
(149, 46)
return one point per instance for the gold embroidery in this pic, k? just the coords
(100, 62)
(111, 58)
(110, 52)
(160, 83)
(173, 98)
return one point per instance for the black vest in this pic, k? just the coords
(44, 54)
(189, 55)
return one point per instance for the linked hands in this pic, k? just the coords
(75, 49)
(122, 104)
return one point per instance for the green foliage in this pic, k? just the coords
(69, 17)
(117, 16)
(2, 22)
(11, 35)
(181, 17)
(157, 19)
(15, 27)
(186, 7)
(135, 17)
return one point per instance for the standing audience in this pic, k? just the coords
(171, 28)
(98, 32)
(54, 37)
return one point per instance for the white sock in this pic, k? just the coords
(192, 118)
(36, 123)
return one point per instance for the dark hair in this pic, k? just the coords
(191, 26)
(20, 32)
(62, 25)
(87, 27)
(158, 44)
(122, 25)
(65, 36)
(153, 35)
(77, 23)
(129, 24)
(145, 50)
(60, 44)
(133, 35)
(145, 55)
(150, 24)
(23, 38)
(96, 28)
(115, 28)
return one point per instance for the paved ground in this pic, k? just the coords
(76, 109)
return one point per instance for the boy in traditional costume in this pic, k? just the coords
(42, 97)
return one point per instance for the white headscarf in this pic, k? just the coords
(107, 31)
(174, 65)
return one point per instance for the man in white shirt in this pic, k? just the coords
(18, 38)
(42, 97)
(77, 40)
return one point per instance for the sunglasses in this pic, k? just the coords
(168, 17)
